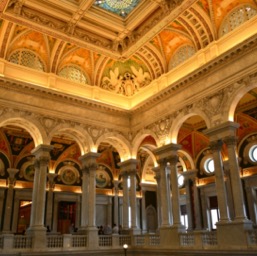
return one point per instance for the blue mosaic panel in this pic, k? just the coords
(119, 7)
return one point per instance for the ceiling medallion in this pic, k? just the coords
(120, 7)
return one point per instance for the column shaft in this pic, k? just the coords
(220, 184)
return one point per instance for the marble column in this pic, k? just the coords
(173, 160)
(236, 184)
(84, 198)
(9, 200)
(109, 211)
(229, 233)
(125, 201)
(129, 167)
(50, 197)
(37, 228)
(116, 202)
(157, 177)
(189, 177)
(89, 165)
(169, 234)
(220, 183)
(164, 193)
(144, 230)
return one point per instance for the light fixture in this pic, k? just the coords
(98, 2)
(125, 247)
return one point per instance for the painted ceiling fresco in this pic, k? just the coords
(119, 7)
(122, 55)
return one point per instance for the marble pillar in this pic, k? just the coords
(230, 234)
(9, 200)
(157, 177)
(128, 168)
(89, 166)
(50, 198)
(116, 202)
(189, 177)
(173, 160)
(37, 229)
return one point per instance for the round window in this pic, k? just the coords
(209, 165)
(253, 153)
(180, 180)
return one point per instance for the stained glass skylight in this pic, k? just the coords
(119, 7)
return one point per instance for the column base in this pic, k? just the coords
(232, 235)
(38, 235)
(92, 237)
(170, 237)
(135, 231)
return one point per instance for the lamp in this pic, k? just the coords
(125, 247)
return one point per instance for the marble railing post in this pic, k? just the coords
(116, 202)
(9, 200)
(89, 165)
(37, 229)
(50, 196)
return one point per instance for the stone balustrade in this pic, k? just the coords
(188, 240)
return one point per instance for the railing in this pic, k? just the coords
(187, 239)
(146, 240)
(252, 237)
(209, 239)
(154, 240)
(194, 240)
(54, 241)
(22, 242)
(1, 242)
(79, 241)
(105, 241)
(124, 239)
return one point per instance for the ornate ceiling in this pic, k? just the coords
(118, 46)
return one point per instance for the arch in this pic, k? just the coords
(180, 119)
(189, 157)
(236, 17)
(35, 129)
(151, 219)
(119, 142)
(140, 137)
(80, 135)
(145, 172)
(233, 100)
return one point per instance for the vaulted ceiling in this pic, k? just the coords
(118, 46)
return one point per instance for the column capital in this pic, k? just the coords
(129, 166)
(51, 177)
(190, 174)
(166, 151)
(89, 161)
(157, 171)
(225, 129)
(230, 140)
(216, 145)
(11, 179)
(41, 149)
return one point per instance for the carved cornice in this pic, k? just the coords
(34, 90)
(214, 65)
